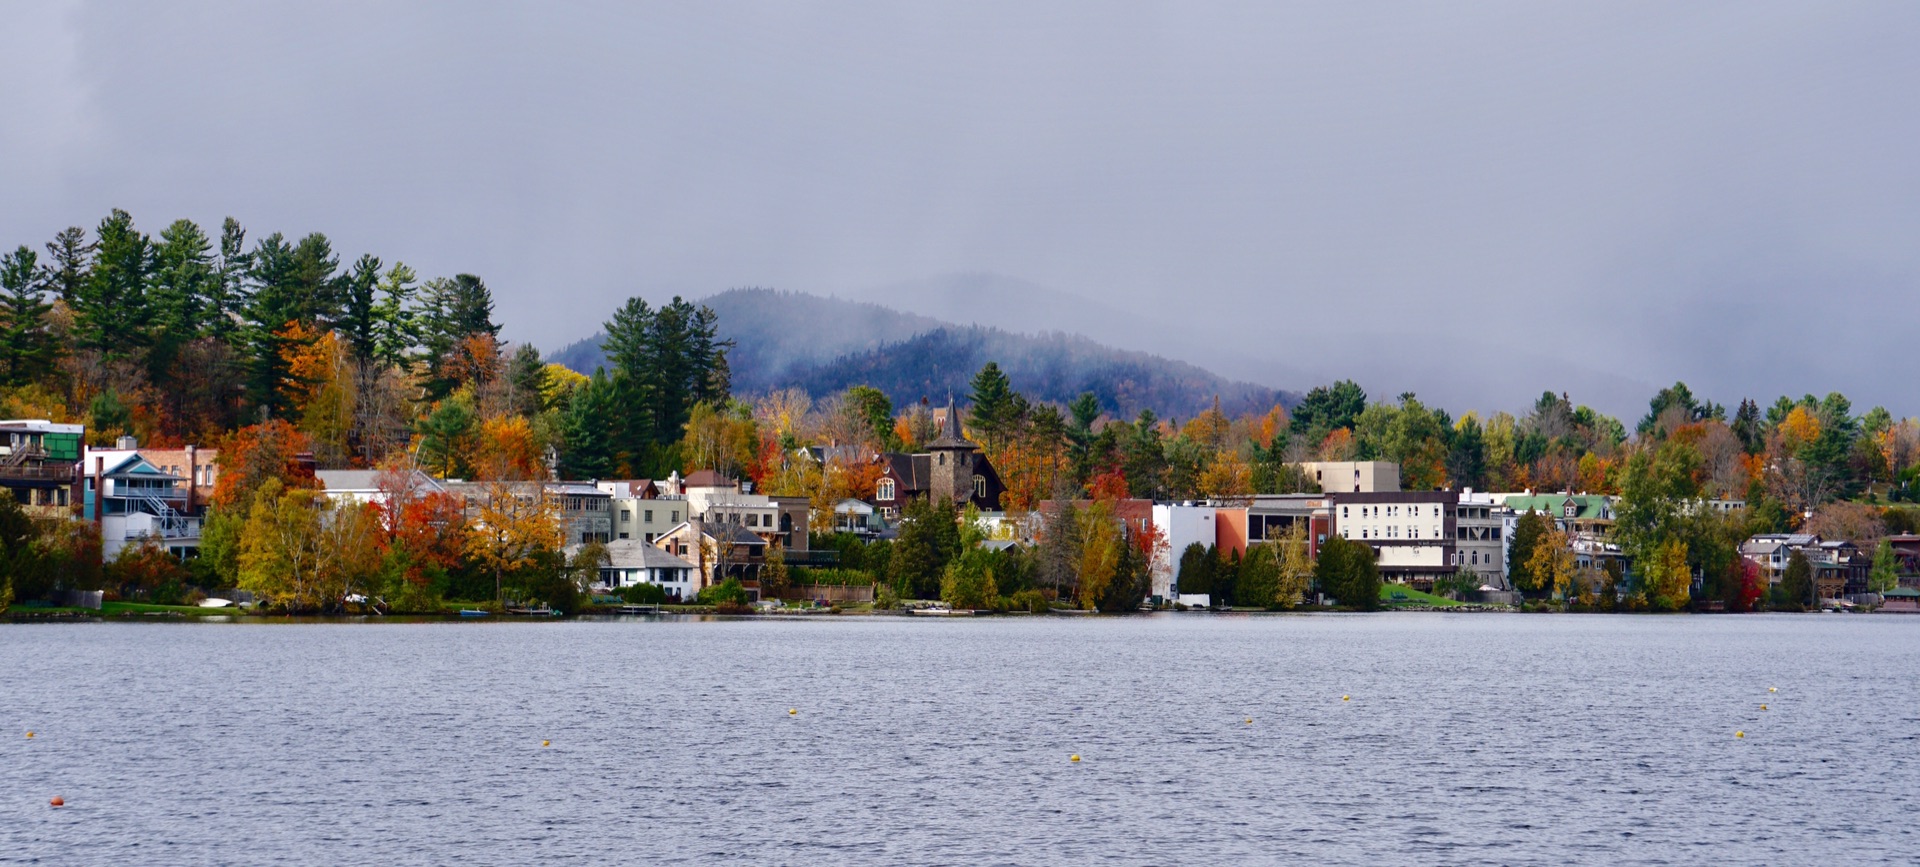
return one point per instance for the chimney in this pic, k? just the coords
(193, 477)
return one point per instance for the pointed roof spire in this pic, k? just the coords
(950, 435)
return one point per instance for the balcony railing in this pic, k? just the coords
(62, 473)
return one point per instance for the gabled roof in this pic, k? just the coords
(911, 470)
(130, 463)
(635, 554)
(1586, 506)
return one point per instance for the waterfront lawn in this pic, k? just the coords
(1414, 597)
(112, 609)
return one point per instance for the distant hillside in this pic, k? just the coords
(778, 333)
(825, 345)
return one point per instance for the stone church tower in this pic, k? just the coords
(950, 463)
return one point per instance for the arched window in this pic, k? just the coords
(883, 490)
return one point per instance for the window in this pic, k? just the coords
(623, 535)
(943, 459)
(674, 516)
(753, 520)
(652, 536)
(980, 487)
(647, 516)
(626, 516)
(883, 490)
(1343, 511)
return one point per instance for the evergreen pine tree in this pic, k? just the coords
(111, 310)
(69, 261)
(27, 348)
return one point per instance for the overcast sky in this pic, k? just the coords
(1473, 200)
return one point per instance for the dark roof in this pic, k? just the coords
(911, 470)
(950, 437)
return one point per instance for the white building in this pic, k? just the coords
(1178, 527)
(631, 562)
(364, 486)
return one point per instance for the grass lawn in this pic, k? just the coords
(110, 609)
(1414, 597)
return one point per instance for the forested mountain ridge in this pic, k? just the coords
(825, 345)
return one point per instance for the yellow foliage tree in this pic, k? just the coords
(1227, 476)
(516, 525)
(1800, 427)
(1669, 578)
(1296, 567)
(1552, 564)
(300, 552)
(1098, 557)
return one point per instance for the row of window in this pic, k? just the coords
(1393, 532)
(1393, 511)
(626, 517)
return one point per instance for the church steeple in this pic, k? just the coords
(950, 436)
(951, 465)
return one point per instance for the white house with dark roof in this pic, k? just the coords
(631, 561)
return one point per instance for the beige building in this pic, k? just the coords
(1353, 477)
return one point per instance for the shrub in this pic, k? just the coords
(728, 592)
(1032, 601)
(643, 594)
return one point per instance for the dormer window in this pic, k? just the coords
(883, 490)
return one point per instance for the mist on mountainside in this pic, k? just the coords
(825, 345)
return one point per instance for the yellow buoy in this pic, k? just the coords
(1739, 734)
(546, 743)
(1763, 707)
(1249, 720)
(1074, 758)
(1773, 689)
(793, 711)
(1346, 698)
(29, 735)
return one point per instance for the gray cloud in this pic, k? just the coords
(1476, 201)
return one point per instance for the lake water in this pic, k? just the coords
(1469, 739)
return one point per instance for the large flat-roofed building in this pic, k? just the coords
(1411, 532)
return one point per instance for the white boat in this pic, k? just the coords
(936, 611)
(211, 602)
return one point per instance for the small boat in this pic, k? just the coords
(940, 611)
(213, 602)
(472, 612)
